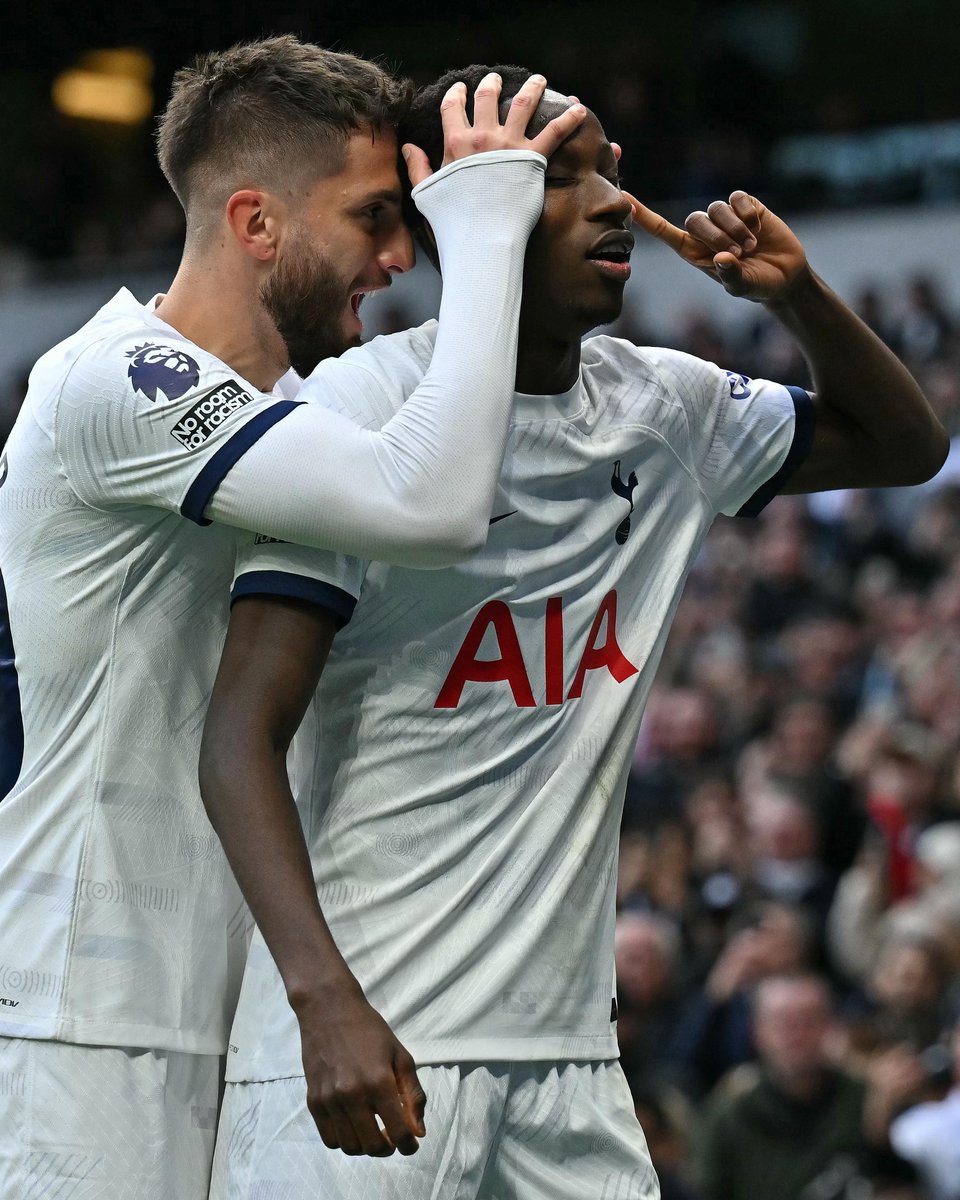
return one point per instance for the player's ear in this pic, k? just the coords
(253, 223)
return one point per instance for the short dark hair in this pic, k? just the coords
(269, 113)
(422, 123)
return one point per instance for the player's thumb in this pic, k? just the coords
(729, 270)
(418, 165)
(412, 1095)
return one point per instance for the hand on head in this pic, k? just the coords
(461, 139)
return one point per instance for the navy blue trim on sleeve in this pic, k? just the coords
(216, 467)
(11, 713)
(301, 587)
(805, 421)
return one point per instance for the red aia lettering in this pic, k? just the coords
(510, 666)
(608, 654)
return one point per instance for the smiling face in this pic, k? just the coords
(578, 256)
(342, 242)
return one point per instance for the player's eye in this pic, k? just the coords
(558, 181)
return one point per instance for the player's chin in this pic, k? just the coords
(602, 310)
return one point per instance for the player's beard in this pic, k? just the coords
(306, 299)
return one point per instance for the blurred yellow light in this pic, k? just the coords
(127, 61)
(109, 85)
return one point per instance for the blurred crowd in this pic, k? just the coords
(788, 937)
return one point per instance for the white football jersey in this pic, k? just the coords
(120, 922)
(460, 775)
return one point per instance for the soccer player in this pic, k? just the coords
(147, 442)
(442, 888)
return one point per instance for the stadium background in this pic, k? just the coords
(795, 798)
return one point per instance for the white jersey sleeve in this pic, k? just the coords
(367, 386)
(267, 566)
(740, 438)
(155, 421)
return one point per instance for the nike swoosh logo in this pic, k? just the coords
(502, 517)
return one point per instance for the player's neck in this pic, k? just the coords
(225, 319)
(546, 366)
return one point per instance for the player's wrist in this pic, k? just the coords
(495, 196)
(317, 990)
(802, 287)
(484, 160)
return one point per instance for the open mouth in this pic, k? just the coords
(611, 254)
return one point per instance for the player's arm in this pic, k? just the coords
(355, 1068)
(420, 490)
(873, 425)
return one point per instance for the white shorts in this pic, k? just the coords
(104, 1122)
(495, 1131)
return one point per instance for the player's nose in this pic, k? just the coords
(398, 254)
(613, 202)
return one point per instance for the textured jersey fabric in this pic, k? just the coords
(460, 775)
(105, 1122)
(120, 923)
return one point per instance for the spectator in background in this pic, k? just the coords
(797, 754)
(902, 1003)
(647, 951)
(786, 864)
(783, 586)
(715, 1031)
(678, 750)
(928, 1134)
(802, 1127)
(924, 329)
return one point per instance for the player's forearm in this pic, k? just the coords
(419, 491)
(862, 385)
(248, 799)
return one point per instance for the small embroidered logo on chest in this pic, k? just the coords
(624, 491)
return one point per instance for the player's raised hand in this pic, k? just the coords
(739, 242)
(461, 139)
(357, 1071)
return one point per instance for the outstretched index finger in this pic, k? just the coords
(559, 129)
(659, 227)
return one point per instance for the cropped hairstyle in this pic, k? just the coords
(275, 113)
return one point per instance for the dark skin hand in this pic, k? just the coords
(356, 1069)
(874, 427)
